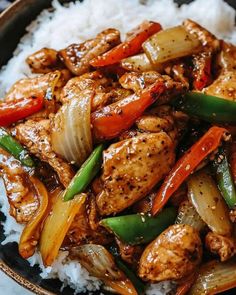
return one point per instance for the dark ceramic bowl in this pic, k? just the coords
(12, 26)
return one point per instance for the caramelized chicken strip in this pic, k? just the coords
(174, 254)
(94, 81)
(224, 86)
(20, 191)
(163, 118)
(224, 247)
(35, 135)
(131, 169)
(80, 231)
(152, 123)
(138, 81)
(232, 215)
(44, 61)
(208, 40)
(129, 253)
(76, 57)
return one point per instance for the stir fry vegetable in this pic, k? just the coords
(13, 111)
(71, 131)
(169, 44)
(8, 143)
(202, 70)
(140, 63)
(224, 179)
(147, 99)
(232, 160)
(207, 107)
(100, 263)
(208, 202)
(215, 277)
(111, 120)
(188, 215)
(85, 174)
(60, 219)
(138, 284)
(186, 165)
(131, 46)
(139, 228)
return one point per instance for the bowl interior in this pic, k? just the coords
(12, 23)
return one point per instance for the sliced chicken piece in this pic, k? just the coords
(47, 86)
(20, 191)
(173, 255)
(80, 231)
(44, 61)
(76, 57)
(129, 253)
(144, 205)
(208, 40)
(42, 85)
(131, 168)
(94, 81)
(138, 81)
(232, 215)
(152, 123)
(35, 135)
(224, 247)
(179, 71)
(163, 118)
(224, 86)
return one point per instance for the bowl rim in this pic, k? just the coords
(22, 281)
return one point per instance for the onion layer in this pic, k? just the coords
(71, 129)
(170, 44)
(188, 215)
(100, 263)
(215, 277)
(56, 226)
(208, 202)
(140, 63)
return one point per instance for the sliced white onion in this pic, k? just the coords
(215, 277)
(208, 202)
(71, 127)
(98, 261)
(140, 63)
(57, 224)
(188, 215)
(170, 44)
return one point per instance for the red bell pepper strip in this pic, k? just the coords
(186, 164)
(130, 47)
(13, 111)
(112, 120)
(202, 71)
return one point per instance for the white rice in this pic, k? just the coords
(74, 24)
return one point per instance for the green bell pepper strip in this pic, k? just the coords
(207, 107)
(138, 284)
(139, 228)
(8, 143)
(224, 178)
(85, 174)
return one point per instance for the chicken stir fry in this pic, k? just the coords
(123, 154)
